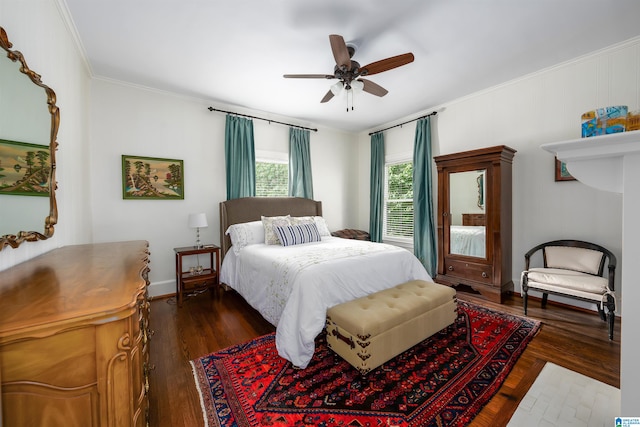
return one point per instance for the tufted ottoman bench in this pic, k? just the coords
(371, 330)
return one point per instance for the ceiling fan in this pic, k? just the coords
(349, 72)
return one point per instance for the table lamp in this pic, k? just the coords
(196, 221)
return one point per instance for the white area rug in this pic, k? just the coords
(560, 397)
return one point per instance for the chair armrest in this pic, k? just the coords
(527, 256)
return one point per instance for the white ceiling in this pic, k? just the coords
(235, 52)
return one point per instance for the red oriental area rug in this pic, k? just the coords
(443, 381)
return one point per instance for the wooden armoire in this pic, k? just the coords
(474, 221)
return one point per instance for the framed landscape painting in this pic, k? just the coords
(562, 174)
(25, 169)
(152, 178)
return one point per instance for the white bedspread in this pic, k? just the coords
(292, 287)
(468, 240)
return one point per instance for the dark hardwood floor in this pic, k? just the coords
(209, 322)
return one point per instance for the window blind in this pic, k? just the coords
(398, 221)
(272, 179)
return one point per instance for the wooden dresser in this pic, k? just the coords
(74, 329)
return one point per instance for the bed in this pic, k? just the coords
(468, 240)
(293, 286)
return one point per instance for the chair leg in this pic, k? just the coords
(602, 313)
(525, 289)
(612, 319)
(545, 296)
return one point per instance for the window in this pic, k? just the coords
(272, 178)
(398, 201)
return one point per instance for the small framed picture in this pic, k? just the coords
(152, 178)
(562, 174)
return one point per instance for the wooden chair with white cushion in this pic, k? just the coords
(573, 268)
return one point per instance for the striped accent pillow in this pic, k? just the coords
(297, 234)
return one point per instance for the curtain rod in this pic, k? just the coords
(400, 124)
(260, 118)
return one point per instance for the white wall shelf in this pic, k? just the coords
(597, 161)
(612, 163)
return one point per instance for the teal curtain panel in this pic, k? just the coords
(424, 234)
(300, 177)
(377, 187)
(240, 157)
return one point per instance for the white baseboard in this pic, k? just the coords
(160, 289)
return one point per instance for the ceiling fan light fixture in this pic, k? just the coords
(348, 71)
(357, 85)
(336, 88)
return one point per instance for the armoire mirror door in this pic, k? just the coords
(466, 213)
(474, 221)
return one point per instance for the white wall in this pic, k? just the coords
(629, 372)
(524, 114)
(137, 121)
(37, 29)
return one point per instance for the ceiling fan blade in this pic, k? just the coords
(309, 76)
(387, 64)
(373, 88)
(327, 97)
(340, 51)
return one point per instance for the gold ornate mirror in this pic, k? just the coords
(29, 120)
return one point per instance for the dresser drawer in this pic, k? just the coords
(49, 360)
(473, 219)
(478, 272)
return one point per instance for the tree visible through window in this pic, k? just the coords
(272, 179)
(398, 200)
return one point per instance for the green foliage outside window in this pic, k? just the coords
(272, 179)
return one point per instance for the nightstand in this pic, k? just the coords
(192, 279)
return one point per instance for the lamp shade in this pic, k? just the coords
(336, 88)
(357, 85)
(197, 220)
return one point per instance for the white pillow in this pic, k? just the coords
(318, 220)
(323, 229)
(268, 222)
(297, 234)
(245, 234)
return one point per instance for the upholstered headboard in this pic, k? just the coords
(253, 208)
